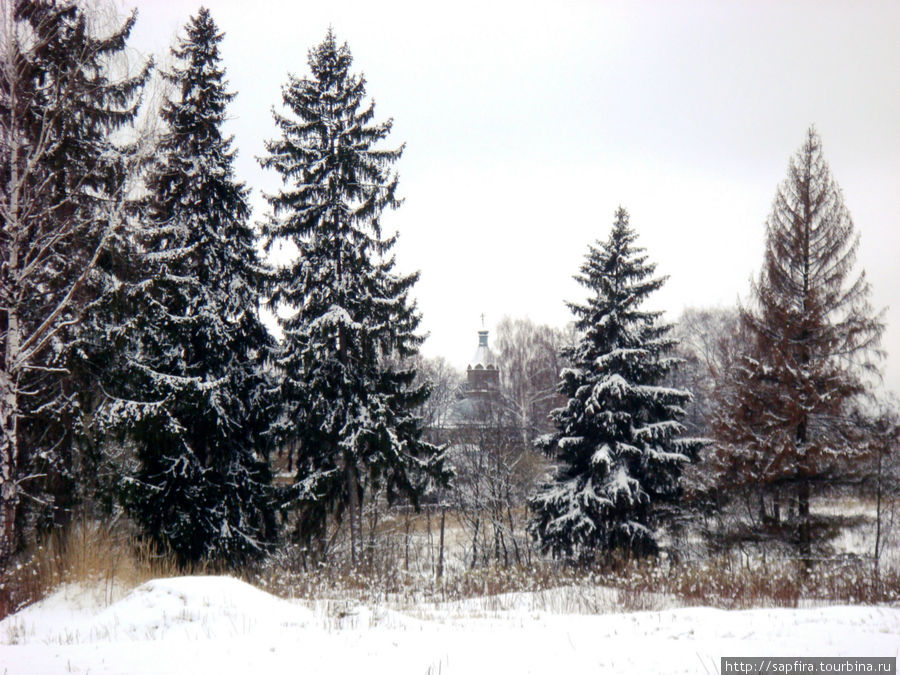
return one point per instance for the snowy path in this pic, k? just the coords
(220, 625)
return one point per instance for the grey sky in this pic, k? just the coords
(527, 124)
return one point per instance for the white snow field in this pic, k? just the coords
(221, 625)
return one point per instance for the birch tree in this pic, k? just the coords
(64, 198)
(530, 359)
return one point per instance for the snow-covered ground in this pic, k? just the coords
(221, 625)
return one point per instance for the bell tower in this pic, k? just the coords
(483, 372)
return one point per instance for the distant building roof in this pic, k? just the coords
(483, 357)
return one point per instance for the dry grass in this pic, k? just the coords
(85, 553)
(627, 586)
(113, 562)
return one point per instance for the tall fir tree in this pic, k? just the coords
(345, 360)
(782, 418)
(65, 195)
(198, 348)
(616, 445)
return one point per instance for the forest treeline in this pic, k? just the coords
(137, 379)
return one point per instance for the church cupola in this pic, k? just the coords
(483, 372)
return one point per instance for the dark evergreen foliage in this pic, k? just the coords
(616, 444)
(65, 183)
(347, 379)
(195, 385)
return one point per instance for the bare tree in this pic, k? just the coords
(445, 383)
(881, 472)
(709, 342)
(496, 471)
(530, 362)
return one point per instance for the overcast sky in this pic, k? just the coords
(526, 124)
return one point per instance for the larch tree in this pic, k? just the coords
(194, 394)
(345, 362)
(617, 445)
(64, 198)
(783, 416)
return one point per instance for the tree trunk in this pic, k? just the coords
(370, 554)
(430, 538)
(406, 560)
(512, 532)
(9, 367)
(440, 565)
(877, 551)
(475, 544)
(353, 506)
(9, 494)
(803, 495)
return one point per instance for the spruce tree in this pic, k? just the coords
(783, 416)
(197, 344)
(345, 363)
(616, 446)
(65, 194)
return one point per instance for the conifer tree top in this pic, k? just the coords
(336, 180)
(806, 282)
(620, 278)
